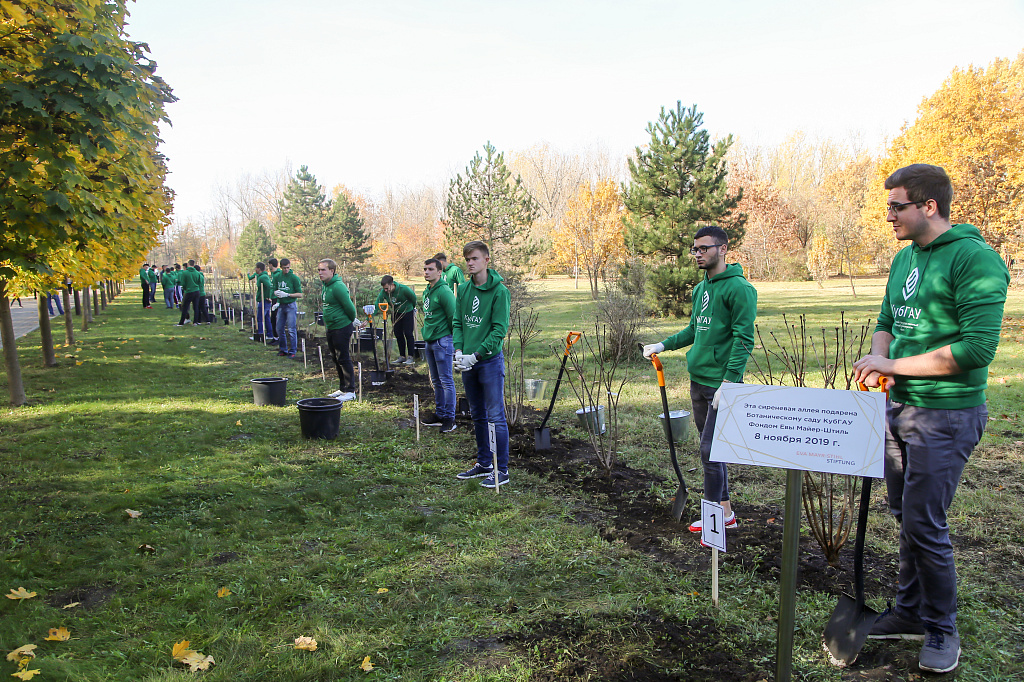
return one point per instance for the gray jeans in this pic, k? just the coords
(925, 454)
(716, 477)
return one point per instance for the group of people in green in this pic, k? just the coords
(935, 336)
(184, 286)
(278, 291)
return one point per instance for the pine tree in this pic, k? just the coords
(353, 241)
(254, 246)
(488, 205)
(678, 186)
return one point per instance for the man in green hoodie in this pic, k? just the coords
(451, 274)
(190, 285)
(144, 281)
(721, 333)
(478, 328)
(438, 311)
(936, 335)
(401, 301)
(340, 321)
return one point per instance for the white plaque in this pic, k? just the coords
(712, 521)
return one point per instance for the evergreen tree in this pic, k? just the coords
(488, 205)
(678, 186)
(353, 241)
(254, 246)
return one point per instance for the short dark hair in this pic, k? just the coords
(177, 266)
(924, 181)
(713, 231)
(145, 265)
(261, 266)
(435, 262)
(440, 255)
(331, 265)
(285, 261)
(272, 261)
(191, 263)
(475, 246)
(386, 279)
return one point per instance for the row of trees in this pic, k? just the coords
(82, 194)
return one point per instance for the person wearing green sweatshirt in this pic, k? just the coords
(167, 283)
(340, 321)
(189, 280)
(451, 274)
(179, 292)
(721, 337)
(438, 311)
(153, 279)
(401, 302)
(203, 317)
(144, 281)
(288, 291)
(936, 335)
(264, 292)
(481, 321)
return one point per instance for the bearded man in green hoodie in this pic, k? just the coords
(721, 336)
(936, 335)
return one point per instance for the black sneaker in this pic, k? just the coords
(490, 483)
(476, 472)
(431, 419)
(940, 653)
(448, 426)
(890, 625)
(281, 353)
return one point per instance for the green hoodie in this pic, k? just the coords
(949, 293)
(144, 274)
(201, 279)
(721, 328)
(453, 276)
(167, 280)
(189, 280)
(339, 311)
(481, 316)
(438, 311)
(400, 301)
(153, 277)
(264, 287)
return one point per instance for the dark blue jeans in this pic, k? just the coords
(287, 335)
(485, 391)
(440, 353)
(263, 319)
(716, 477)
(925, 453)
(169, 297)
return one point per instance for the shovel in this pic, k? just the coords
(384, 310)
(542, 434)
(851, 621)
(679, 503)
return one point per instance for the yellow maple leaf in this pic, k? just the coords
(132, 514)
(78, 363)
(238, 423)
(20, 593)
(180, 649)
(223, 592)
(71, 605)
(366, 665)
(60, 634)
(196, 661)
(305, 643)
(26, 651)
(382, 590)
(25, 674)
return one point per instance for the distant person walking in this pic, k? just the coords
(144, 281)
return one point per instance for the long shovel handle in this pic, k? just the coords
(660, 369)
(862, 520)
(572, 338)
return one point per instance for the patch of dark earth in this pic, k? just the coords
(87, 596)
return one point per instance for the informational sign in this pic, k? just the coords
(810, 429)
(712, 520)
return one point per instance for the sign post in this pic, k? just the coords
(712, 534)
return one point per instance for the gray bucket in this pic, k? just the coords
(591, 419)
(535, 388)
(680, 420)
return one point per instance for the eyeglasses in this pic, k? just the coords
(896, 208)
(702, 250)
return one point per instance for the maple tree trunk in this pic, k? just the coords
(45, 332)
(78, 303)
(95, 301)
(14, 384)
(85, 309)
(69, 321)
(103, 296)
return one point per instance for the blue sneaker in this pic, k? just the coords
(940, 653)
(476, 472)
(489, 482)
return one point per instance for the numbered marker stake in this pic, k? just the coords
(712, 533)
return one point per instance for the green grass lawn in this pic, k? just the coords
(368, 543)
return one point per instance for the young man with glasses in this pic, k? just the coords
(937, 333)
(721, 336)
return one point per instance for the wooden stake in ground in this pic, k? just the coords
(360, 382)
(304, 363)
(416, 414)
(320, 352)
(714, 577)
(493, 438)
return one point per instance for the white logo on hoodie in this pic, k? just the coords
(704, 301)
(476, 303)
(911, 285)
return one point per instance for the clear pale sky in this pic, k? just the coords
(403, 92)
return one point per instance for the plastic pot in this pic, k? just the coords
(419, 350)
(680, 421)
(269, 390)
(591, 419)
(535, 388)
(320, 417)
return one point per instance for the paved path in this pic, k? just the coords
(26, 319)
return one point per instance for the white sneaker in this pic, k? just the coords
(409, 362)
(400, 360)
(336, 394)
(345, 397)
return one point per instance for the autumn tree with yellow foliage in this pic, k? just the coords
(590, 236)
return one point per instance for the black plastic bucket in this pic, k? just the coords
(269, 390)
(320, 417)
(419, 349)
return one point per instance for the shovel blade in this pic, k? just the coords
(679, 503)
(847, 630)
(542, 439)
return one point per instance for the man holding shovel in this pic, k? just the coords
(480, 324)
(402, 303)
(340, 321)
(936, 335)
(438, 311)
(721, 336)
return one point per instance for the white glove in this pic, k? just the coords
(651, 349)
(275, 307)
(282, 294)
(369, 309)
(458, 361)
(718, 395)
(468, 361)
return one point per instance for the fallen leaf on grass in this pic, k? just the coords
(146, 549)
(771, 520)
(191, 346)
(22, 652)
(382, 590)
(78, 363)
(238, 423)
(132, 514)
(224, 592)
(58, 635)
(68, 356)
(71, 605)
(137, 357)
(180, 649)
(196, 661)
(20, 593)
(305, 643)
(366, 665)
(25, 674)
